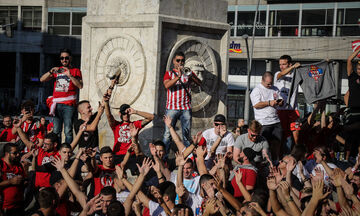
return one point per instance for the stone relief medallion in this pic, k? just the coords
(122, 54)
(200, 58)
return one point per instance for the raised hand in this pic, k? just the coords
(152, 149)
(58, 163)
(336, 178)
(17, 123)
(101, 106)
(348, 188)
(285, 188)
(319, 174)
(318, 190)
(211, 206)
(167, 121)
(197, 137)
(130, 111)
(277, 175)
(180, 161)
(181, 191)
(256, 207)
(290, 166)
(83, 126)
(145, 167)
(271, 183)
(220, 162)
(94, 205)
(156, 166)
(223, 130)
(133, 130)
(238, 175)
(201, 151)
(34, 152)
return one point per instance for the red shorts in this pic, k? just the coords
(288, 121)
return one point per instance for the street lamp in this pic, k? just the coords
(247, 93)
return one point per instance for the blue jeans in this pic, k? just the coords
(185, 119)
(64, 114)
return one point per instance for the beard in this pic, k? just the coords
(241, 160)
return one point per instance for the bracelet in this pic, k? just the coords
(111, 88)
(269, 102)
(162, 177)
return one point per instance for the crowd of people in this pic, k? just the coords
(277, 164)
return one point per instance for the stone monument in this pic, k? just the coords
(139, 38)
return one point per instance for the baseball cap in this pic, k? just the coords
(123, 108)
(249, 153)
(219, 118)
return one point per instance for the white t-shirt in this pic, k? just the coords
(194, 202)
(326, 176)
(192, 185)
(155, 209)
(284, 84)
(268, 114)
(122, 196)
(210, 137)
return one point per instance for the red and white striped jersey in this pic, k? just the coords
(177, 98)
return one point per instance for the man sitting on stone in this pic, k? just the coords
(218, 140)
(252, 140)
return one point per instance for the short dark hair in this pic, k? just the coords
(178, 207)
(159, 143)
(28, 103)
(8, 146)
(298, 152)
(267, 74)
(47, 196)
(65, 50)
(168, 188)
(105, 149)
(204, 178)
(115, 208)
(65, 145)
(52, 136)
(108, 190)
(179, 53)
(7, 116)
(82, 102)
(286, 57)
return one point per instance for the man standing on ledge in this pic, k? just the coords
(178, 103)
(63, 103)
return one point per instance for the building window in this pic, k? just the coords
(31, 18)
(317, 22)
(284, 23)
(65, 23)
(245, 22)
(347, 23)
(9, 12)
(231, 21)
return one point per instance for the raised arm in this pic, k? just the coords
(22, 135)
(200, 160)
(168, 83)
(95, 122)
(78, 136)
(275, 204)
(77, 82)
(245, 193)
(109, 116)
(48, 75)
(148, 116)
(143, 170)
(349, 66)
(287, 70)
(317, 196)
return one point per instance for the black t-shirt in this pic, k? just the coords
(87, 139)
(354, 89)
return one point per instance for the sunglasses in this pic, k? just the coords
(180, 60)
(282, 161)
(217, 124)
(66, 58)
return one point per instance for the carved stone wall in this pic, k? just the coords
(139, 40)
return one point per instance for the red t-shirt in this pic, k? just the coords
(6, 135)
(42, 179)
(102, 178)
(63, 208)
(248, 179)
(122, 136)
(64, 87)
(177, 98)
(50, 126)
(13, 195)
